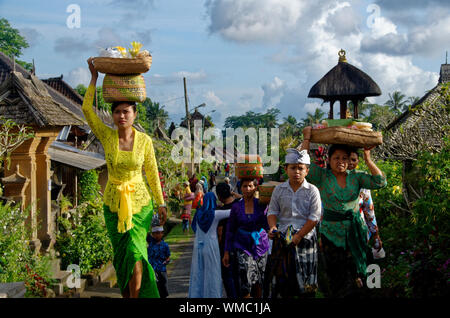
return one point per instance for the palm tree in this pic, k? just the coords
(155, 114)
(311, 119)
(410, 101)
(396, 101)
(289, 126)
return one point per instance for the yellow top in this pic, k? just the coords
(125, 167)
(187, 191)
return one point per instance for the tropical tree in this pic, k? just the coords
(255, 120)
(12, 43)
(410, 101)
(380, 116)
(155, 114)
(289, 127)
(312, 118)
(396, 102)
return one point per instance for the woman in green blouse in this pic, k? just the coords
(343, 232)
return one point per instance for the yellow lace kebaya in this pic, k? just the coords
(125, 193)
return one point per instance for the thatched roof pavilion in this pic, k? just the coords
(342, 83)
(196, 115)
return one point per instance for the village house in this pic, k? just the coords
(422, 127)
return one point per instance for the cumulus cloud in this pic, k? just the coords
(273, 91)
(309, 36)
(262, 20)
(343, 22)
(79, 75)
(212, 99)
(424, 40)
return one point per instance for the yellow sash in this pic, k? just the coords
(125, 212)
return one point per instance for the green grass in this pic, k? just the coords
(176, 235)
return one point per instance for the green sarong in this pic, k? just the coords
(355, 234)
(131, 247)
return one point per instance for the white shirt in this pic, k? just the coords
(295, 208)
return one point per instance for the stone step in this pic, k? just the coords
(107, 273)
(61, 276)
(101, 292)
(12, 290)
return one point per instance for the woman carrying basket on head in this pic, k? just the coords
(343, 232)
(128, 205)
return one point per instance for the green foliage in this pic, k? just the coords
(416, 237)
(100, 102)
(172, 172)
(11, 42)
(81, 89)
(312, 118)
(82, 238)
(396, 102)
(154, 113)
(89, 187)
(430, 215)
(255, 120)
(16, 256)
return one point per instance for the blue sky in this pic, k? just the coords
(242, 55)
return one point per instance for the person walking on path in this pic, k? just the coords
(188, 197)
(366, 207)
(212, 180)
(343, 232)
(128, 205)
(205, 279)
(247, 239)
(159, 257)
(295, 205)
(224, 194)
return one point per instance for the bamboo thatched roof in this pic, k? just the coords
(420, 128)
(26, 100)
(344, 81)
(61, 86)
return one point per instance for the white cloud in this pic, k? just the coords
(79, 75)
(309, 35)
(255, 20)
(212, 100)
(382, 26)
(273, 92)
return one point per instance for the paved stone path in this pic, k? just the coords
(179, 272)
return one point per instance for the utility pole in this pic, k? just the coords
(188, 118)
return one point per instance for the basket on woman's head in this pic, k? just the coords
(249, 167)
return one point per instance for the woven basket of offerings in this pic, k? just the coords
(120, 88)
(112, 65)
(266, 190)
(346, 136)
(249, 167)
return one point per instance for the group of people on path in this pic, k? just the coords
(255, 243)
(273, 251)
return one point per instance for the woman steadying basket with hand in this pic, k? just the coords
(128, 206)
(343, 232)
